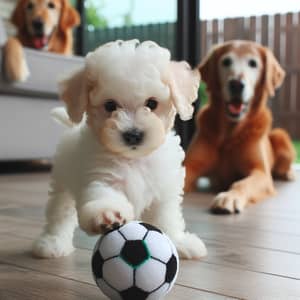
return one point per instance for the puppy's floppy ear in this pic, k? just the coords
(184, 84)
(69, 16)
(273, 72)
(74, 92)
(208, 68)
(18, 16)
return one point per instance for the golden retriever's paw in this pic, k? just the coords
(228, 203)
(290, 175)
(19, 73)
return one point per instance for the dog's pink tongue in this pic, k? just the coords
(40, 42)
(235, 108)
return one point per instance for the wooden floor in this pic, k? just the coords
(255, 255)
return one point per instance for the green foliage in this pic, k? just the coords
(96, 19)
(128, 18)
(93, 14)
(297, 147)
(202, 93)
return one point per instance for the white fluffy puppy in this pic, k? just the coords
(121, 161)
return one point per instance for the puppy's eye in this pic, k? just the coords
(151, 103)
(51, 5)
(252, 63)
(227, 62)
(110, 105)
(30, 6)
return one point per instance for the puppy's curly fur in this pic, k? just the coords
(121, 161)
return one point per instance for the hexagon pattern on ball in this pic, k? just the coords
(97, 264)
(135, 261)
(134, 293)
(156, 243)
(171, 269)
(135, 253)
(148, 280)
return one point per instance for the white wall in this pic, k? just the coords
(6, 8)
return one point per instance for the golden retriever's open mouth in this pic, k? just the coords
(236, 109)
(40, 42)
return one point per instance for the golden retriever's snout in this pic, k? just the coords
(236, 87)
(38, 26)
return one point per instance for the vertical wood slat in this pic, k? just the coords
(293, 56)
(229, 29)
(265, 30)
(286, 101)
(298, 65)
(252, 29)
(215, 31)
(239, 28)
(209, 42)
(203, 37)
(294, 75)
(277, 52)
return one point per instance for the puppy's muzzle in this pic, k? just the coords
(236, 88)
(133, 137)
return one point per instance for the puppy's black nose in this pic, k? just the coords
(133, 137)
(236, 87)
(38, 25)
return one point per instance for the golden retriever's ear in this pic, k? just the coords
(184, 84)
(18, 16)
(69, 16)
(274, 74)
(74, 92)
(208, 69)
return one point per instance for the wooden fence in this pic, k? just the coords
(281, 33)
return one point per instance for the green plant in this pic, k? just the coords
(128, 16)
(297, 147)
(202, 93)
(93, 14)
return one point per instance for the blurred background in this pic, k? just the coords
(189, 29)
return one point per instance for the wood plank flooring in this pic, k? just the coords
(254, 255)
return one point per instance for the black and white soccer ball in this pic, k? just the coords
(135, 262)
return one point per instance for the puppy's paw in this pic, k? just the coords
(106, 221)
(51, 246)
(228, 203)
(189, 246)
(94, 219)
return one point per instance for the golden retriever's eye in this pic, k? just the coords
(227, 62)
(252, 63)
(110, 105)
(51, 5)
(30, 6)
(151, 103)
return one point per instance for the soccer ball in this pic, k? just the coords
(135, 262)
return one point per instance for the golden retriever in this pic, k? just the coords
(234, 144)
(41, 24)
